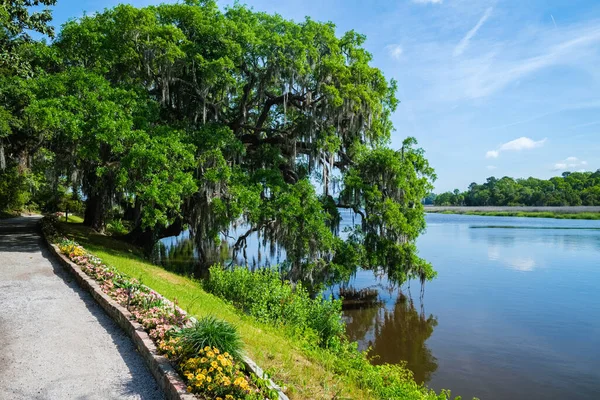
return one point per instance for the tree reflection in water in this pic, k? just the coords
(395, 335)
(178, 256)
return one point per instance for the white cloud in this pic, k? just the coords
(491, 167)
(395, 51)
(569, 163)
(427, 1)
(522, 143)
(464, 43)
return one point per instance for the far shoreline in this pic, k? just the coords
(559, 212)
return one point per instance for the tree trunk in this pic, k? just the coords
(146, 238)
(95, 212)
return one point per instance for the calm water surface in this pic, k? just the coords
(513, 314)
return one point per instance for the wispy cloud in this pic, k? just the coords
(493, 63)
(522, 143)
(553, 21)
(464, 43)
(491, 167)
(569, 163)
(395, 51)
(585, 125)
(427, 1)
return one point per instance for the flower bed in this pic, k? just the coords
(207, 373)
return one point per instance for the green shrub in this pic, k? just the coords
(116, 227)
(210, 332)
(263, 295)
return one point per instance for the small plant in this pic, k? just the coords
(216, 375)
(116, 227)
(210, 332)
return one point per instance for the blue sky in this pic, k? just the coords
(502, 88)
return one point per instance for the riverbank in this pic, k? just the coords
(305, 370)
(581, 212)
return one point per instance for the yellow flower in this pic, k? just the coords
(207, 348)
(210, 354)
(216, 350)
(208, 379)
(189, 389)
(203, 359)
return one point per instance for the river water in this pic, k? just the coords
(513, 314)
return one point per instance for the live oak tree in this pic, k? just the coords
(236, 119)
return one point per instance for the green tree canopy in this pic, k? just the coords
(186, 114)
(570, 189)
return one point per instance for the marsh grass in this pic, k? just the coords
(524, 214)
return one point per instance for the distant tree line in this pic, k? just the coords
(570, 189)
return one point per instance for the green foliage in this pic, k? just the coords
(388, 186)
(263, 295)
(16, 21)
(116, 227)
(13, 190)
(570, 189)
(385, 381)
(212, 332)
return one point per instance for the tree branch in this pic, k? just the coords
(352, 207)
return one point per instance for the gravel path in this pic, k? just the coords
(55, 342)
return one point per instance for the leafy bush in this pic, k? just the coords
(210, 332)
(263, 295)
(116, 227)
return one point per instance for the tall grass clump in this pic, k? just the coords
(263, 295)
(210, 332)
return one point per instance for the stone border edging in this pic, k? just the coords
(256, 370)
(165, 375)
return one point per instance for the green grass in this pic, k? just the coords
(74, 219)
(307, 374)
(526, 214)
